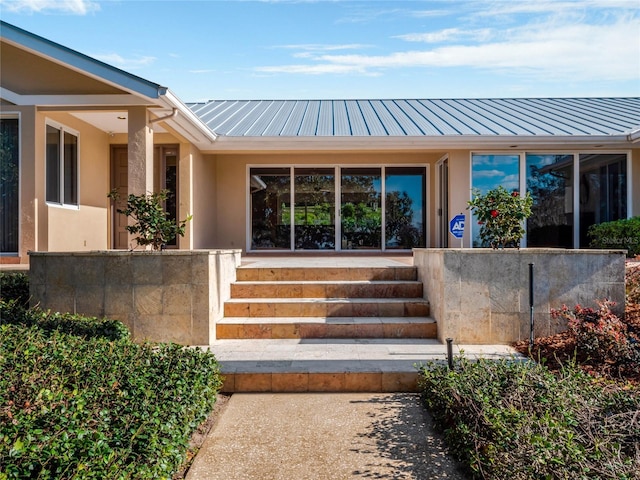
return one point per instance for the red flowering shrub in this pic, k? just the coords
(501, 216)
(600, 336)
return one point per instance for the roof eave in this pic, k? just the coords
(461, 142)
(79, 62)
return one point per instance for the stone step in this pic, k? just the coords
(334, 365)
(248, 273)
(325, 327)
(326, 307)
(327, 289)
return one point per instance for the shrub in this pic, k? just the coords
(501, 216)
(14, 286)
(85, 327)
(633, 284)
(72, 407)
(618, 234)
(150, 221)
(601, 337)
(516, 420)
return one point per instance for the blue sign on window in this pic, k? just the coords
(456, 226)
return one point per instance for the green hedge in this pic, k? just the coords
(620, 234)
(14, 286)
(87, 327)
(87, 407)
(517, 420)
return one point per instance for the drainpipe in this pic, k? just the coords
(173, 114)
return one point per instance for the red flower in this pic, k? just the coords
(515, 194)
(494, 213)
(480, 223)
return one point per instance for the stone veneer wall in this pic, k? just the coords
(169, 296)
(481, 296)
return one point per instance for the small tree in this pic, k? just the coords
(501, 216)
(151, 224)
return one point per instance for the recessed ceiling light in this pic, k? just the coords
(122, 118)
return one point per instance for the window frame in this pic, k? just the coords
(62, 129)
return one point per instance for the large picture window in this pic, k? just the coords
(9, 185)
(61, 166)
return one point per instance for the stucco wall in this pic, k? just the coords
(481, 296)
(231, 183)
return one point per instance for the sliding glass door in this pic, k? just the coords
(337, 208)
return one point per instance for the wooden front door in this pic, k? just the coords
(119, 178)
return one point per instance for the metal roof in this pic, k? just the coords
(531, 117)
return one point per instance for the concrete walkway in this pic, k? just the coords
(318, 436)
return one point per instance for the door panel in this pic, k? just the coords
(314, 217)
(360, 208)
(405, 207)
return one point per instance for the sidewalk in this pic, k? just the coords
(323, 436)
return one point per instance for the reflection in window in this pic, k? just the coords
(314, 220)
(9, 184)
(489, 172)
(361, 211)
(550, 184)
(405, 207)
(603, 190)
(270, 208)
(61, 166)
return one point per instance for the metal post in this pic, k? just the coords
(531, 305)
(450, 353)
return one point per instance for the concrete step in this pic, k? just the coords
(327, 289)
(334, 365)
(248, 273)
(325, 327)
(326, 307)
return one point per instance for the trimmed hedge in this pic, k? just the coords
(619, 235)
(14, 286)
(517, 420)
(86, 327)
(90, 407)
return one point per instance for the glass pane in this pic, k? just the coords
(270, 208)
(70, 169)
(171, 184)
(550, 183)
(9, 171)
(489, 172)
(405, 207)
(361, 212)
(603, 190)
(53, 164)
(315, 209)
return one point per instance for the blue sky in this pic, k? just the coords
(354, 49)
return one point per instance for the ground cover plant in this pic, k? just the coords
(88, 403)
(518, 420)
(571, 411)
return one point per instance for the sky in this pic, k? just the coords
(343, 49)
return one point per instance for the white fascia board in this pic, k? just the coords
(634, 136)
(79, 62)
(463, 142)
(188, 122)
(110, 100)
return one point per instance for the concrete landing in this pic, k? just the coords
(334, 365)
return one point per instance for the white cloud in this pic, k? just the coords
(546, 50)
(74, 7)
(119, 61)
(446, 35)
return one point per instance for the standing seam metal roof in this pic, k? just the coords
(421, 117)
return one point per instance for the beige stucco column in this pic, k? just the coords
(140, 147)
(185, 191)
(140, 156)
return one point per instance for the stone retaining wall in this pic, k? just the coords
(481, 296)
(169, 296)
